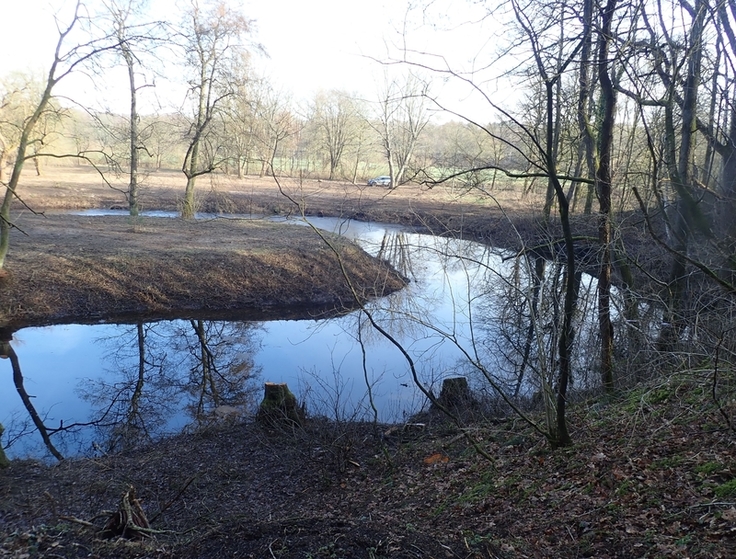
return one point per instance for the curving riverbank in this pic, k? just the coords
(66, 268)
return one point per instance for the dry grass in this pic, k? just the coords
(82, 187)
(66, 267)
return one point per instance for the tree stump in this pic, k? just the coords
(456, 395)
(279, 406)
(4, 462)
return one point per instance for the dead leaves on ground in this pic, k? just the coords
(437, 458)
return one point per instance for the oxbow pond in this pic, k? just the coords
(466, 311)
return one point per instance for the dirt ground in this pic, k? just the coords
(82, 187)
(626, 489)
(635, 484)
(66, 268)
(70, 268)
(503, 216)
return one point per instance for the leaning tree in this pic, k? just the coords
(86, 43)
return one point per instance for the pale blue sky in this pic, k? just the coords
(312, 44)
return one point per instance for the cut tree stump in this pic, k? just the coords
(456, 395)
(279, 406)
(4, 462)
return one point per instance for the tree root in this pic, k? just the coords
(129, 521)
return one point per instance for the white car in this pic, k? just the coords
(380, 181)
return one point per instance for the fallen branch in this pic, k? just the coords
(78, 521)
(171, 501)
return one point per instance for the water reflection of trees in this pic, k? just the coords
(220, 364)
(163, 370)
(504, 313)
(56, 438)
(520, 312)
(407, 313)
(7, 352)
(135, 397)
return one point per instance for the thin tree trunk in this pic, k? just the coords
(140, 381)
(603, 183)
(537, 277)
(133, 180)
(191, 162)
(680, 175)
(20, 156)
(188, 208)
(584, 102)
(561, 436)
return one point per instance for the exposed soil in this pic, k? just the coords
(67, 268)
(70, 268)
(650, 475)
(439, 209)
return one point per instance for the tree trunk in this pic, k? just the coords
(7, 350)
(133, 181)
(726, 211)
(584, 103)
(679, 165)
(20, 156)
(188, 206)
(537, 277)
(456, 396)
(4, 153)
(191, 160)
(603, 183)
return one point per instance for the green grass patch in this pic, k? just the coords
(709, 468)
(667, 463)
(725, 490)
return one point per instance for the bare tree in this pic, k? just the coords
(401, 117)
(134, 39)
(275, 123)
(163, 139)
(65, 61)
(672, 83)
(603, 184)
(334, 116)
(238, 120)
(212, 35)
(19, 94)
(6, 350)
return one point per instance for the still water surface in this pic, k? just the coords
(466, 304)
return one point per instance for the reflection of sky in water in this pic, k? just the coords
(320, 360)
(52, 358)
